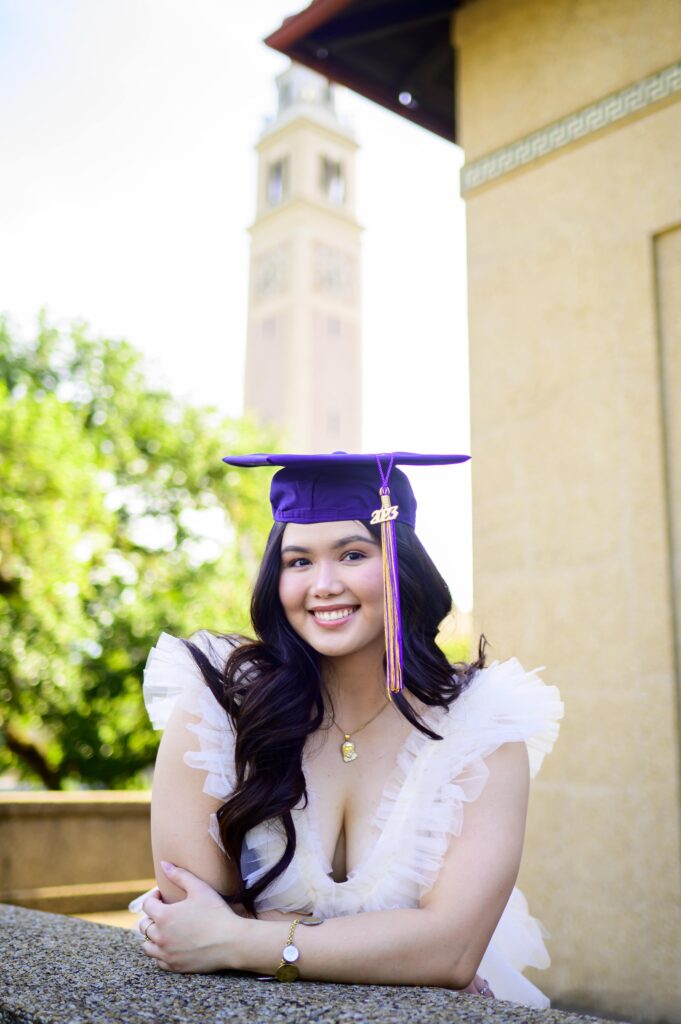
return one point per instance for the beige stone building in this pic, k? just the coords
(304, 295)
(569, 113)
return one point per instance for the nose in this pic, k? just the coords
(326, 582)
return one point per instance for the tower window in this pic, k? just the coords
(277, 182)
(332, 181)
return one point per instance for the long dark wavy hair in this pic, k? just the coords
(271, 688)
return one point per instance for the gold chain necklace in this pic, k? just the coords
(347, 747)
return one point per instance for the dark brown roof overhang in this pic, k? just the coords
(395, 52)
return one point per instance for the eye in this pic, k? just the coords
(296, 563)
(353, 556)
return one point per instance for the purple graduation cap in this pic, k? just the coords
(340, 486)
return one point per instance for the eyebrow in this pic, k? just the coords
(352, 539)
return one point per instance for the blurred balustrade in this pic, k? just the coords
(74, 853)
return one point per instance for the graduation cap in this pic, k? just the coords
(344, 486)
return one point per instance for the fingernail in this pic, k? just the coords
(167, 866)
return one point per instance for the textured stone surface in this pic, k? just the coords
(57, 970)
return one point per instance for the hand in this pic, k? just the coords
(479, 987)
(200, 934)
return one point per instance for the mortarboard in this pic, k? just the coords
(340, 486)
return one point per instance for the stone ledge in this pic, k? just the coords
(53, 843)
(57, 970)
(108, 802)
(77, 899)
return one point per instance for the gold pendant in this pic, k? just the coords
(348, 752)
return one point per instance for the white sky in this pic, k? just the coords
(127, 182)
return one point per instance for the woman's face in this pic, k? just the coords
(331, 586)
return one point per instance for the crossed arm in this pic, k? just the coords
(439, 943)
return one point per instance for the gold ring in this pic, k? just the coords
(146, 931)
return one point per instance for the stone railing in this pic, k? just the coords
(74, 852)
(56, 970)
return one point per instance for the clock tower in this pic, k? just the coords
(303, 358)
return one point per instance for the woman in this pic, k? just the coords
(317, 775)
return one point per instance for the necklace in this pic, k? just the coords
(347, 747)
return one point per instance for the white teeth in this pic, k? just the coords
(330, 616)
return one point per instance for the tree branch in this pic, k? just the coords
(35, 760)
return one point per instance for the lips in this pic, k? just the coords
(333, 616)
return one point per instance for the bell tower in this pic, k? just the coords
(303, 357)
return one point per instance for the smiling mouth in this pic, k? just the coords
(328, 615)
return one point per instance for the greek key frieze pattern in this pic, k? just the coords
(571, 128)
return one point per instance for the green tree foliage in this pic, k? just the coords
(118, 520)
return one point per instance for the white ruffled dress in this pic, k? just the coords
(422, 805)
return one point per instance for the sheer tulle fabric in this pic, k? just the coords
(422, 807)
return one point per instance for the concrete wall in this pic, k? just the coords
(74, 852)
(575, 332)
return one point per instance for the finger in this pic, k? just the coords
(187, 880)
(482, 987)
(162, 964)
(155, 953)
(150, 949)
(143, 924)
(154, 908)
(180, 877)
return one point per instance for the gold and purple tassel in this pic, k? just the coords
(386, 516)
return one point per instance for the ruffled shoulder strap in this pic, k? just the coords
(171, 675)
(505, 703)
(434, 779)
